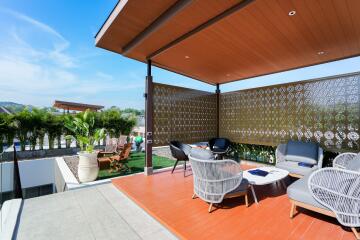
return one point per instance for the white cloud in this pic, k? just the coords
(38, 71)
(40, 25)
(52, 44)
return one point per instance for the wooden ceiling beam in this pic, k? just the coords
(201, 27)
(160, 21)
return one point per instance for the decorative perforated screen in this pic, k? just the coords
(323, 110)
(183, 114)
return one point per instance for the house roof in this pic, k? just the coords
(76, 106)
(223, 41)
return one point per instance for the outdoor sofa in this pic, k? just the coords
(299, 158)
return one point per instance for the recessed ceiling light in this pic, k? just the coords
(292, 13)
(321, 53)
(228, 75)
(187, 57)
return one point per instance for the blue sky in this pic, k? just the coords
(47, 53)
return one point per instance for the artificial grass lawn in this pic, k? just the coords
(136, 163)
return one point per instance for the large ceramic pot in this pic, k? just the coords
(88, 168)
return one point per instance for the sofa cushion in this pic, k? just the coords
(354, 164)
(302, 152)
(201, 154)
(294, 168)
(300, 192)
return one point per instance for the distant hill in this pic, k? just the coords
(14, 107)
(6, 104)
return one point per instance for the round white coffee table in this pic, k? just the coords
(275, 175)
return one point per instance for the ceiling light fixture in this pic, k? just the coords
(187, 57)
(321, 53)
(292, 13)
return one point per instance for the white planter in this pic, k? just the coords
(88, 168)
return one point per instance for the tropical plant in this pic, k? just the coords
(65, 130)
(83, 131)
(23, 127)
(37, 128)
(111, 120)
(10, 130)
(2, 130)
(53, 128)
(126, 124)
(31, 126)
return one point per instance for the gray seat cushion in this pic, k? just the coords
(294, 168)
(300, 192)
(201, 154)
(242, 187)
(302, 152)
(354, 164)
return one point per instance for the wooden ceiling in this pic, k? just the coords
(259, 38)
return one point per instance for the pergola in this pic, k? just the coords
(219, 42)
(76, 106)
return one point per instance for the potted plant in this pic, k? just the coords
(82, 128)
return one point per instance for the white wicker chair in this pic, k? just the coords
(339, 190)
(215, 180)
(343, 159)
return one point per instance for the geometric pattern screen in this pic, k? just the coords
(182, 114)
(326, 111)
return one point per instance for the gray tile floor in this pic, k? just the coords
(98, 212)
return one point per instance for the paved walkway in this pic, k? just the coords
(98, 212)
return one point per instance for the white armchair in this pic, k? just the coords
(215, 180)
(338, 190)
(342, 160)
(333, 191)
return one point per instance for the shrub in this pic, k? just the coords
(31, 127)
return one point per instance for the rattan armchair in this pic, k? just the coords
(338, 190)
(333, 191)
(216, 180)
(342, 160)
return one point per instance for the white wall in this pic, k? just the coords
(32, 173)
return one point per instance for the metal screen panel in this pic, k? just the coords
(183, 114)
(324, 110)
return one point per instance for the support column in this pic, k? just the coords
(217, 91)
(148, 170)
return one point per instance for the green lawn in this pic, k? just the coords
(136, 163)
